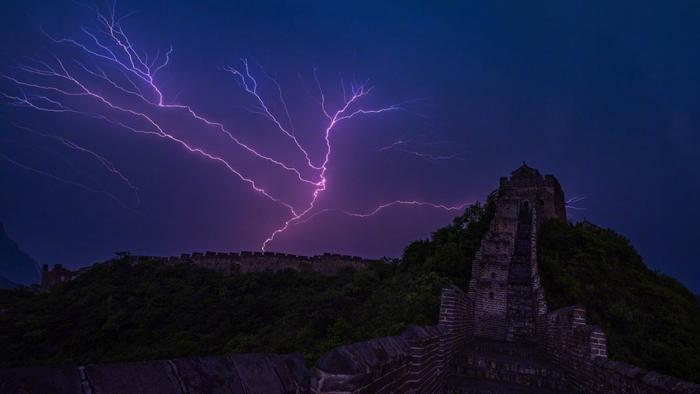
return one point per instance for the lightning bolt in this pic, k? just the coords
(65, 181)
(345, 112)
(401, 145)
(60, 75)
(573, 200)
(108, 165)
(379, 208)
(118, 70)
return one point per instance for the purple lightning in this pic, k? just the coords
(401, 146)
(384, 206)
(65, 181)
(346, 111)
(573, 200)
(130, 63)
(132, 74)
(108, 165)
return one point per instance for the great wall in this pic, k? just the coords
(498, 337)
(229, 264)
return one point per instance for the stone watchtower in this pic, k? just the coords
(505, 284)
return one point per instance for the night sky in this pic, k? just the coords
(604, 95)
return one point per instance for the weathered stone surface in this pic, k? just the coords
(513, 363)
(246, 373)
(505, 286)
(258, 374)
(208, 375)
(361, 357)
(422, 332)
(291, 369)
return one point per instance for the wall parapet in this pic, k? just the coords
(457, 318)
(415, 361)
(580, 350)
(378, 365)
(231, 263)
(240, 373)
(622, 377)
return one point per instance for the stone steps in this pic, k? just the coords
(520, 274)
(518, 364)
(523, 232)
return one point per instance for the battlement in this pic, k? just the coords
(544, 193)
(229, 263)
(57, 275)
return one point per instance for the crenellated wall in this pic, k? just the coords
(416, 361)
(232, 263)
(246, 262)
(570, 342)
(580, 350)
(457, 318)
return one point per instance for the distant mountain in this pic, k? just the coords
(7, 284)
(16, 265)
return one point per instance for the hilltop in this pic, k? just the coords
(152, 310)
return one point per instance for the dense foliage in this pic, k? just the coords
(121, 312)
(652, 321)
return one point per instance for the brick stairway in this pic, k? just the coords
(486, 366)
(520, 305)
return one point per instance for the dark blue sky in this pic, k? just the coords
(602, 94)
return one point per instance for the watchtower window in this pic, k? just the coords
(491, 295)
(526, 204)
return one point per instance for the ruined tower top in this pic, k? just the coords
(544, 193)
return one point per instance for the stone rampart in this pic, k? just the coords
(580, 350)
(457, 318)
(416, 361)
(243, 373)
(232, 263)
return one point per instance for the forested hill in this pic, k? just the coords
(651, 319)
(123, 312)
(151, 310)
